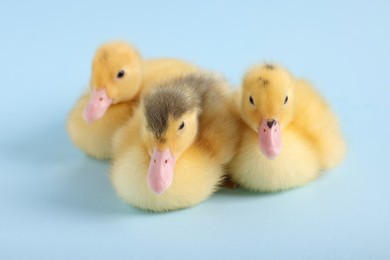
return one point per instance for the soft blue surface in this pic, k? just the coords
(58, 204)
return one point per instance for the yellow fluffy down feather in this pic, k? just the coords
(140, 75)
(310, 133)
(199, 130)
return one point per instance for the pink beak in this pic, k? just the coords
(97, 106)
(161, 167)
(270, 138)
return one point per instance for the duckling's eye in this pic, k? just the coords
(251, 100)
(120, 74)
(181, 126)
(286, 100)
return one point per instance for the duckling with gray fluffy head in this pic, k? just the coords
(171, 155)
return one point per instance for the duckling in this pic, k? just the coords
(119, 77)
(171, 155)
(290, 133)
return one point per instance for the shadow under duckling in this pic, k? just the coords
(171, 155)
(290, 133)
(119, 77)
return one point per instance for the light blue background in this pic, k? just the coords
(57, 203)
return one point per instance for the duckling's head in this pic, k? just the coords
(170, 128)
(266, 105)
(116, 77)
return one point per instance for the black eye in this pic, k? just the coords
(251, 100)
(286, 100)
(181, 126)
(120, 74)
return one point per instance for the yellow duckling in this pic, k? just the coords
(118, 79)
(290, 133)
(171, 154)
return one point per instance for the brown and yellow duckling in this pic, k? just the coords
(171, 155)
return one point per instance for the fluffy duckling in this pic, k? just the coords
(118, 78)
(172, 153)
(290, 133)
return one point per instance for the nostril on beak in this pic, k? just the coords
(271, 123)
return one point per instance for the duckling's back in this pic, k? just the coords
(161, 70)
(320, 123)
